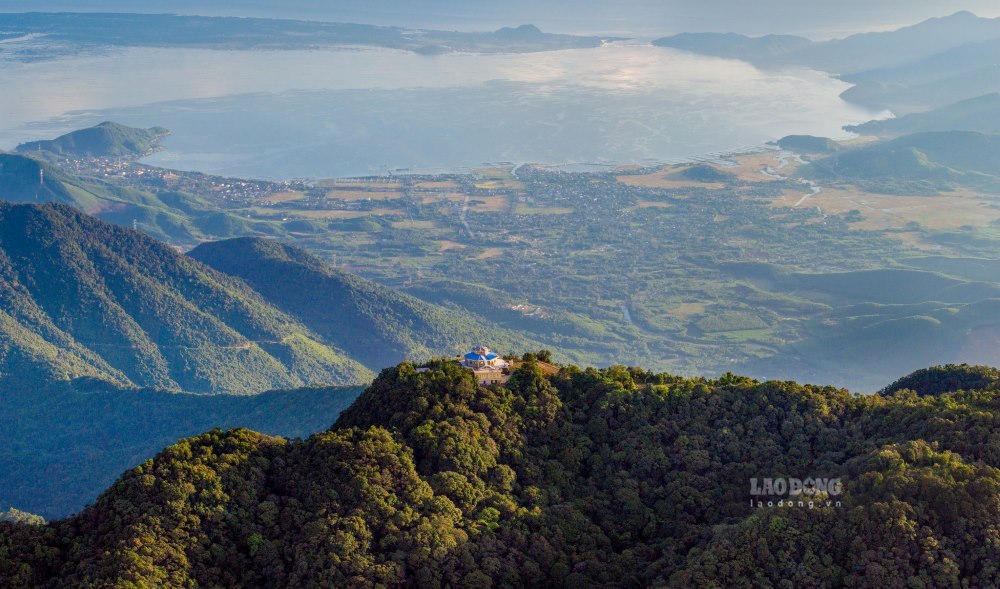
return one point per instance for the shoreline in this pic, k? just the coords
(723, 157)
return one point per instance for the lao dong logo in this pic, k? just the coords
(809, 493)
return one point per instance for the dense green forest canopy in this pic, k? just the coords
(587, 478)
(943, 379)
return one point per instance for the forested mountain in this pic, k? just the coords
(372, 323)
(81, 297)
(90, 311)
(962, 73)
(107, 139)
(588, 478)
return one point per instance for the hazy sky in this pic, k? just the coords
(814, 18)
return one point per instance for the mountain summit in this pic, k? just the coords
(585, 478)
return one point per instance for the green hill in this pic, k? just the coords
(23, 179)
(967, 268)
(893, 161)
(81, 297)
(959, 74)
(587, 478)
(808, 144)
(373, 324)
(171, 216)
(704, 173)
(966, 151)
(943, 379)
(107, 139)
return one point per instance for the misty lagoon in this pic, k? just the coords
(361, 111)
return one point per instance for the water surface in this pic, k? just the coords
(279, 114)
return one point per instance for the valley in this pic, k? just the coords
(667, 267)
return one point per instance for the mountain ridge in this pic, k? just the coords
(980, 114)
(614, 477)
(851, 54)
(144, 313)
(175, 217)
(123, 29)
(922, 163)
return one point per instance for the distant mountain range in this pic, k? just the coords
(107, 139)
(964, 72)
(855, 53)
(928, 65)
(918, 163)
(981, 114)
(166, 30)
(769, 49)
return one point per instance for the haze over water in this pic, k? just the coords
(279, 114)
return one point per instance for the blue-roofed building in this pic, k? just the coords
(489, 367)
